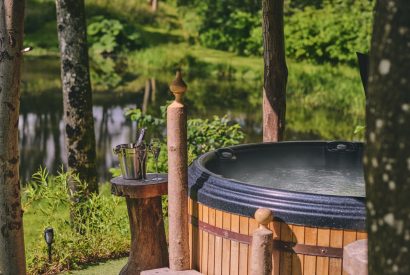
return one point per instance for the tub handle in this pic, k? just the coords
(341, 146)
(226, 154)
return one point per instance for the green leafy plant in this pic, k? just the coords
(204, 135)
(101, 225)
(109, 39)
(339, 30)
(107, 36)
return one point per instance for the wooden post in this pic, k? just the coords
(355, 258)
(177, 178)
(262, 244)
(275, 71)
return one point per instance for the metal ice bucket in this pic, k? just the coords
(132, 161)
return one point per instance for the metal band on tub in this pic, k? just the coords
(291, 247)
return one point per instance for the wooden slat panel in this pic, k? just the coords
(310, 261)
(349, 236)
(226, 245)
(243, 248)
(200, 207)
(253, 225)
(234, 246)
(322, 263)
(211, 245)
(285, 257)
(204, 259)
(361, 235)
(275, 227)
(336, 240)
(297, 259)
(218, 244)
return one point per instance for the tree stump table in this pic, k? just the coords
(148, 243)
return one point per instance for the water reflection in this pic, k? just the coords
(42, 133)
(42, 130)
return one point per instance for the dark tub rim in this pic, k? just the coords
(316, 210)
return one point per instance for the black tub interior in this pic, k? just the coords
(326, 168)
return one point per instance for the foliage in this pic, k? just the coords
(104, 72)
(235, 35)
(144, 120)
(338, 31)
(108, 36)
(205, 135)
(107, 39)
(47, 199)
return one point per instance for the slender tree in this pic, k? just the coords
(275, 71)
(387, 156)
(75, 76)
(12, 258)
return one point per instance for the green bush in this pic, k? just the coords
(108, 36)
(204, 135)
(108, 40)
(338, 30)
(102, 233)
(235, 33)
(319, 30)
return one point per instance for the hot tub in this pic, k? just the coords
(315, 190)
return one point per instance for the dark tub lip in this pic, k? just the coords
(318, 210)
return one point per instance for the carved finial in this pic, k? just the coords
(263, 216)
(178, 86)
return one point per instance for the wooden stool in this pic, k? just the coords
(148, 242)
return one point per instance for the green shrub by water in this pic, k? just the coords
(203, 135)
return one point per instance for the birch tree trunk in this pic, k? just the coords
(275, 71)
(75, 77)
(12, 258)
(387, 156)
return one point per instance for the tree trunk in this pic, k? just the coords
(75, 77)
(275, 71)
(12, 258)
(154, 5)
(387, 156)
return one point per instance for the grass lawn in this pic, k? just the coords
(111, 267)
(107, 237)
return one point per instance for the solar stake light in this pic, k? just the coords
(49, 238)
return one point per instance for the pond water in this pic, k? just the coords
(41, 125)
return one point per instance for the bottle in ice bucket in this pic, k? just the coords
(141, 150)
(132, 158)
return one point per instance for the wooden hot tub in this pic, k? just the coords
(315, 190)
